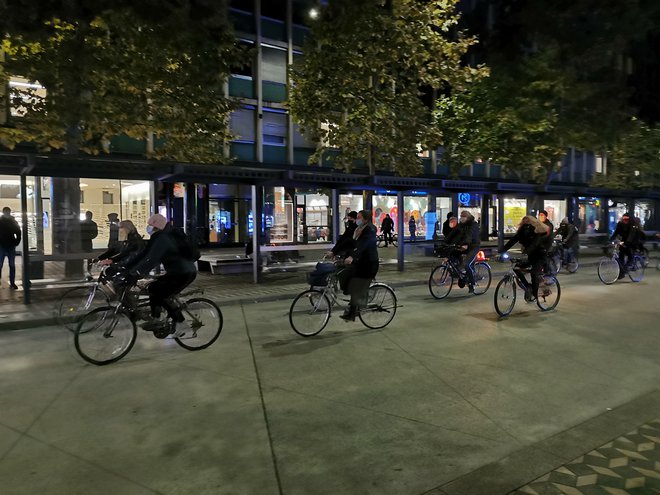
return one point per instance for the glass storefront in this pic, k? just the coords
(590, 213)
(417, 208)
(313, 216)
(470, 202)
(556, 210)
(514, 210)
(230, 214)
(278, 216)
(384, 204)
(644, 211)
(347, 203)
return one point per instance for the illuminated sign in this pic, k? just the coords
(464, 198)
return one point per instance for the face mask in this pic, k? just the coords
(463, 219)
(150, 229)
(359, 222)
(123, 235)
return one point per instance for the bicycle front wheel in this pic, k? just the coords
(309, 312)
(505, 296)
(482, 278)
(104, 336)
(549, 293)
(636, 270)
(608, 270)
(381, 307)
(572, 265)
(79, 301)
(202, 324)
(555, 263)
(441, 281)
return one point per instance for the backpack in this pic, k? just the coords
(186, 245)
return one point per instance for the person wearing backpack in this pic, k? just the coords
(164, 247)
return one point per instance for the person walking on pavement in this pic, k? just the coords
(88, 231)
(387, 227)
(362, 263)
(10, 237)
(412, 228)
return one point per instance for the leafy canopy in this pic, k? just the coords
(364, 63)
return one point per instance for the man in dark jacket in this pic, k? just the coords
(569, 237)
(10, 237)
(622, 231)
(446, 228)
(471, 237)
(163, 248)
(345, 243)
(387, 227)
(88, 231)
(363, 264)
(547, 240)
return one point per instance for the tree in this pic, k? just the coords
(117, 71)
(358, 89)
(634, 161)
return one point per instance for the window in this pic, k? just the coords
(275, 128)
(242, 124)
(274, 65)
(108, 198)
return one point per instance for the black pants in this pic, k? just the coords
(387, 237)
(163, 288)
(537, 263)
(468, 263)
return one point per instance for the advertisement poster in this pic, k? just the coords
(512, 217)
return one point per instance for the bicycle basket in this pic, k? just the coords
(446, 250)
(609, 250)
(319, 277)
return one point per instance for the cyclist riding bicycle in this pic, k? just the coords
(345, 243)
(129, 244)
(362, 264)
(163, 248)
(532, 235)
(622, 231)
(570, 238)
(471, 243)
(636, 237)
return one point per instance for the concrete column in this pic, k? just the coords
(605, 216)
(26, 243)
(335, 219)
(484, 227)
(500, 222)
(65, 221)
(368, 200)
(257, 210)
(289, 57)
(400, 251)
(259, 126)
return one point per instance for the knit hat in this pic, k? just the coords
(158, 221)
(352, 214)
(564, 220)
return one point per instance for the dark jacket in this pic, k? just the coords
(533, 244)
(636, 237)
(445, 228)
(88, 231)
(569, 235)
(621, 231)
(365, 254)
(124, 251)
(162, 248)
(471, 233)
(387, 225)
(547, 240)
(345, 243)
(456, 236)
(10, 232)
(412, 226)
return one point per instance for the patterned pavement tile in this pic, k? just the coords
(628, 465)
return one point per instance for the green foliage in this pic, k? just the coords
(363, 68)
(119, 73)
(634, 161)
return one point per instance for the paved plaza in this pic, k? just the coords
(447, 400)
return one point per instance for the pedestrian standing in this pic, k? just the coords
(412, 228)
(88, 232)
(10, 237)
(386, 228)
(113, 228)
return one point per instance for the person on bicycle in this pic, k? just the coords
(386, 228)
(128, 245)
(636, 236)
(363, 264)
(446, 225)
(570, 238)
(163, 248)
(345, 243)
(531, 235)
(622, 231)
(471, 242)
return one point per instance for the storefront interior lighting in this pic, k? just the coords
(313, 13)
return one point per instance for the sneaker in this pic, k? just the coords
(471, 289)
(461, 283)
(348, 315)
(152, 324)
(13, 286)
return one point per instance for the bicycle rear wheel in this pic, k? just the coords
(482, 278)
(309, 312)
(555, 263)
(505, 296)
(636, 270)
(202, 324)
(381, 307)
(79, 301)
(608, 270)
(104, 336)
(549, 293)
(440, 281)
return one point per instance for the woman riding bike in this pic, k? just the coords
(532, 235)
(130, 243)
(362, 264)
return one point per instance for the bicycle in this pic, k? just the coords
(563, 257)
(442, 276)
(76, 302)
(609, 267)
(105, 335)
(505, 293)
(380, 240)
(310, 311)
